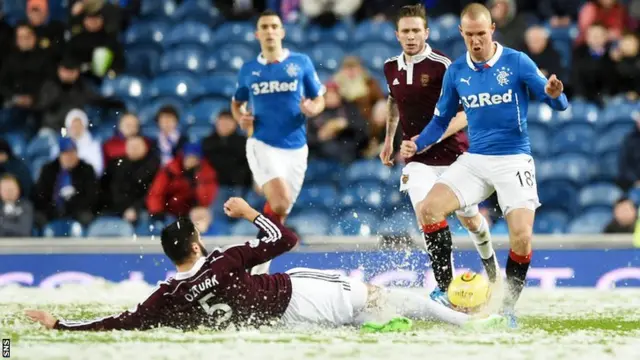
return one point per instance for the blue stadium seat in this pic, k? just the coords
(374, 55)
(327, 56)
(310, 223)
(617, 113)
(205, 112)
(150, 131)
(611, 138)
(179, 86)
(558, 194)
(148, 228)
(36, 164)
(399, 222)
(634, 195)
(458, 49)
(607, 166)
(599, 194)
(224, 193)
(235, 33)
(368, 194)
(219, 86)
(254, 199)
(41, 146)
(196, 133)
(18, 143)
(375, 31)
(338, 34)
(147, 114)
(63, 228)
(567, 33)
(143, 60)
(124, 87)
(500, 227)
(540, 112)
(592, 222)
(243, 228)
(355, 222)
(550, 222)
(189, 58)
(157, 9)
(108, 226)
(294, 36)
(577, 168)
(447, 26)
(579, 111)
(539, 139)
(573, 137)
(230, 58)
(362, 170)
(322, 171)
(148, 33)
(317, 196)
(189, 32)
(565, 49)
(201, 11)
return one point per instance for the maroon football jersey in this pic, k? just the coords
(218, 291)
(416, 89)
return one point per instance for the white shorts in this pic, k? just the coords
(418, 179)
(474, 177)
(267, 163)
(323, 298)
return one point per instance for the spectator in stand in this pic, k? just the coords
(610, 13)
(186, 182)
(113, 15)
(588, 79)
(7, 36)
(92, 38)
(9, 164)
(24, 69)
(65, 92)
(127, 180)
(49, 32)
(115, 146)
(67, 188)
(627, 67)
(89, 150)
(382, 10)
(170, 139)
(340, 132)
(624, 219)
(542, 53)
(356, 85)
(629, 163)
(238, 10)
(16, 213)
(327, 13)
(559, 13)
(225, 149)
(510, 25)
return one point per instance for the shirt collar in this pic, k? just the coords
(415, 58)
(263, 61)
(491, 61)
(187, 274)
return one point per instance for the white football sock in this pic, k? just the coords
(482, 239)
(411, 305)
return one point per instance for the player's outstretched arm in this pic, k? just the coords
(393, 117)
(549, 91)
(277, 241)
(145, 316)
(446, 109)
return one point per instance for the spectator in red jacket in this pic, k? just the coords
(115, 147)
(185, 182)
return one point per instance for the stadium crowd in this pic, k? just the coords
(96, 149)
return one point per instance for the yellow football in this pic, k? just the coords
(469, 292)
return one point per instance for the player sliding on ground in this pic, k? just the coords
(414, 79)
(492, 82)
(215, 290)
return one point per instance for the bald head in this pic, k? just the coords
(475, 11)
(477, 30)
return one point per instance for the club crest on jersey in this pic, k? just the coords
(502, 75)
(424, 80)
(405, 178)
(293, 70)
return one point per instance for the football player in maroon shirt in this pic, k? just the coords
(216, 290)
(415, 79)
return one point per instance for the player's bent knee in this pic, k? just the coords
(520, 239)
(280, 205)
(472, 223)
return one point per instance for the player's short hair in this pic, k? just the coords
(268, 12)
(176, 240)
(475, 10)
(413, 11)
(225, 112)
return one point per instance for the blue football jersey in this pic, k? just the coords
(495, 97)
(274, 92)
